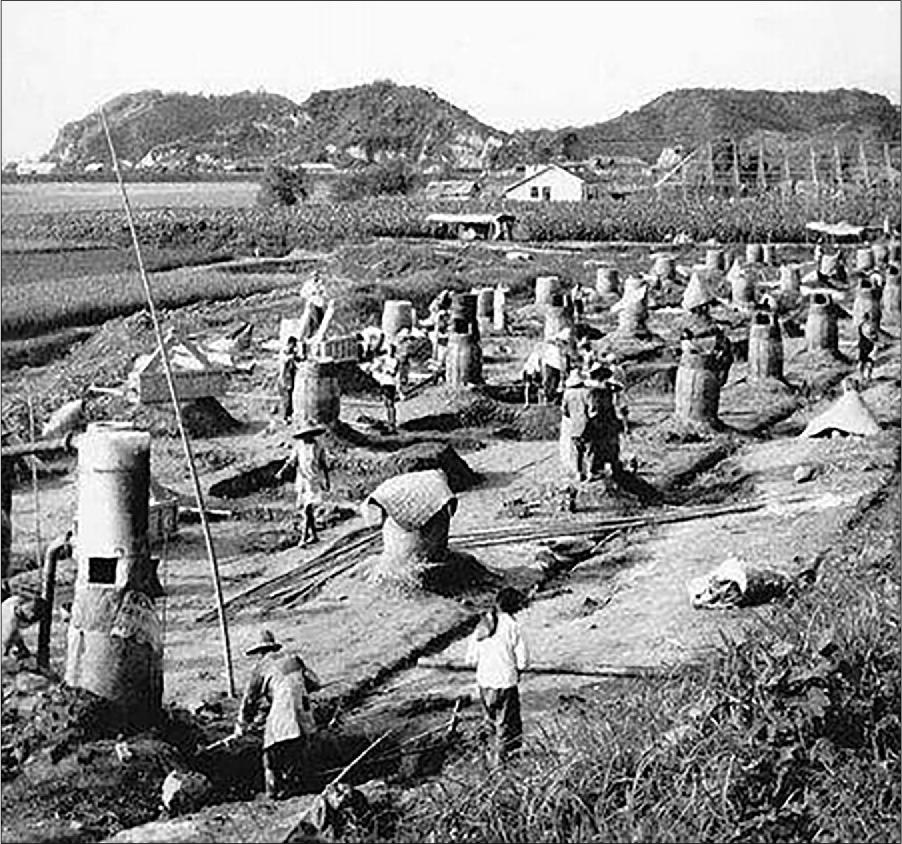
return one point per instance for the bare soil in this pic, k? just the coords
(624, 605)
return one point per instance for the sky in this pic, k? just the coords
(512, 65)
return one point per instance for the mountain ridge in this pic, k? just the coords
(381, 121)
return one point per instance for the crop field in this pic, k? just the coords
(40, 197)
(52, 279)
(31, 309)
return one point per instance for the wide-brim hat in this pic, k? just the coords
(599, 373)
(305, 429)
(266, 644)
(574, 379)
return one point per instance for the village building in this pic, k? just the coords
(554, 183)
(456, 190)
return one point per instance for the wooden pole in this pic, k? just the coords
(762, 176)
(34, 485)
(737, 177)
(186, 443)
(711, 186)
(864, 164)
(338, 778)
(552, 669)
(813, 167)
(837, 160)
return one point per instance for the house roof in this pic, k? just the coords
(450, 188)
(584, 174)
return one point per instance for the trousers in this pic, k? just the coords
(283, 766)
(502, 708)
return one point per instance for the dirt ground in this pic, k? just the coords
(624, 606)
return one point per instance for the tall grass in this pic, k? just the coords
(792, 735)
(30, 309)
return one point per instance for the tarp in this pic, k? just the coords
(848, 414)
(842, 229)
(696, 294)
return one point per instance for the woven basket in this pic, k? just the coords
(412, 499)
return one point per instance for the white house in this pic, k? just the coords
(36, 168)
(555, 184)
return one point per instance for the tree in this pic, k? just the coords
(281, 186)
(390, 177)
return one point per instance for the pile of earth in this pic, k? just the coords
(74, 771)
(356, 473)
(359, 474)
(476, 408)
(203, 418)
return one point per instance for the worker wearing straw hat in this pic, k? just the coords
(576, 408)
(606, 424)
(278, 691)
(311, 476)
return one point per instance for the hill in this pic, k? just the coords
(690, 117)
(366, 123)
(152, 128)
(382, 121)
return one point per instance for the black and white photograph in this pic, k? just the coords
(450, 421)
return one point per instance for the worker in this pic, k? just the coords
(605, 426)
(576, 407)
(387, 372)
(723, 354)
(867, 344)
(17, 613)
(499, 651)
(288, 368)
(586, 355)
(311, 477)
(278, 691)
(532, 377)
(617, 383)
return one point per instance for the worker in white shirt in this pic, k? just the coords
(499, 652)
(16, 614)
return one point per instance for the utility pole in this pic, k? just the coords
(864, 164)
(761, 175)
(814, 168)
(838, 162)
(737, 178)
(711, 167)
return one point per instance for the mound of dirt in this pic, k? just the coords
(204, 418)
(360, 475)
(354, 381)
(455, 576)
(59, 720)
(475, 408)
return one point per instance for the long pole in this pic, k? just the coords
(186, 443)
(864, 164)
(34, 486)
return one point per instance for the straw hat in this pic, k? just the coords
(266, 644)
(599, 373)
(574, 380)
(306, 429)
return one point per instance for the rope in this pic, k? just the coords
(186, 443)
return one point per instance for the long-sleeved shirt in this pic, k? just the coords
(576, 407)
(11, 619)
(500, 657)
(282, 683)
